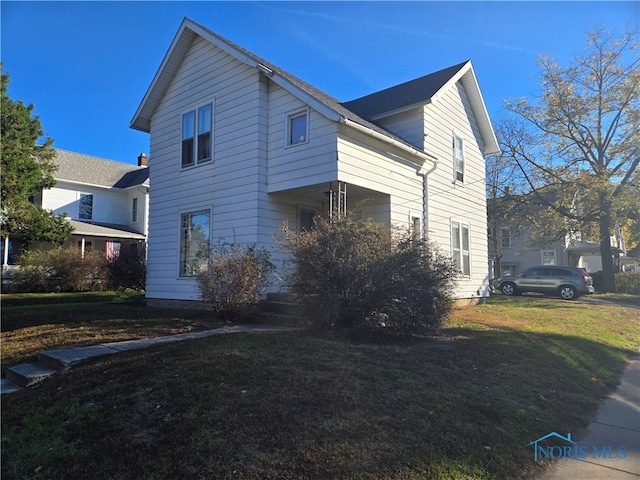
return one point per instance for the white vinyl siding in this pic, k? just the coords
(447, 200)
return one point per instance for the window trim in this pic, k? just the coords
(459, 258)
(181, 262)
(196, 135)
(458, 175)
(288, 130)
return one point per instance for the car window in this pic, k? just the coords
(562, 272)
(534, 272)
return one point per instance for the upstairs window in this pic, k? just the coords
(134, 210)
(505, 237)
(297, 128)
(548, 257)
(196, 135)
(85, 209)
(458, 157)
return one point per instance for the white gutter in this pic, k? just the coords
(391, 141)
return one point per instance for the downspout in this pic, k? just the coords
(424, 173)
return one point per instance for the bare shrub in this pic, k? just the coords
(233, 279)
(61, 270)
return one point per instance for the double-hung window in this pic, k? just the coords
(460, 247)
(297, 128)
(194, 242)
(505, 237)
(197, 126)
(548, 257)
(458, 157)
(134, 210)
(85, 209)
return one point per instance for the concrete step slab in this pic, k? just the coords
(29, 373)
(66, 358)
(7, 386)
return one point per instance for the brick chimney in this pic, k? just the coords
(143, 160)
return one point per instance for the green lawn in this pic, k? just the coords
(302, 405)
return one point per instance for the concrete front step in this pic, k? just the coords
(7, 386)
(66, 358)
(29, 373)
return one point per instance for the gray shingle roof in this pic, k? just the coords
(77, 167)
(414, 92)
(111, 230)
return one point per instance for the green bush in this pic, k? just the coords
(628, 282)
(61, 270)
(233, 280)
(357, 275)
(128, 270)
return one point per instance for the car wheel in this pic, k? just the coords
(509, 289)
(568, 292)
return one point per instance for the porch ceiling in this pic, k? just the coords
(319, 192)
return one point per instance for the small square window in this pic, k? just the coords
(297, 129)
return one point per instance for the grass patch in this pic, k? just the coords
(296, 405)
(35, 322)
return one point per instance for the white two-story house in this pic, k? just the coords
(240, 145)
(106, 202)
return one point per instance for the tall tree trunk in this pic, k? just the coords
(608, 271)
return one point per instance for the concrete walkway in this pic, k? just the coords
(52, 361)
(617, 424)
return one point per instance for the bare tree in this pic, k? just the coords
(579, 137)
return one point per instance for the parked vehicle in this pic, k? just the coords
(567, 282)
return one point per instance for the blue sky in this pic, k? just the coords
(87, 65)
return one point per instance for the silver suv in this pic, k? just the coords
(568, 282)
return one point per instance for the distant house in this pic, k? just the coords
(240, 145)
(106, 202)
(514, 246)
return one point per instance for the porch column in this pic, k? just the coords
(5, 252)
(82, 247)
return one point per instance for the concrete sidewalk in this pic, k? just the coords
(617, 424)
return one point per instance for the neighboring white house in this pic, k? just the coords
(106, 202)
(239, 146)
